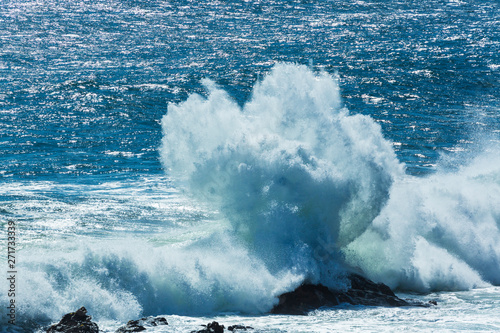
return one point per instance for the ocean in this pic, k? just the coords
(196, 159)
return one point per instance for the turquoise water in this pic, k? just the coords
(194, 159)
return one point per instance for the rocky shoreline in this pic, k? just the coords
(363, 291)
(306, 298)
(80, 322)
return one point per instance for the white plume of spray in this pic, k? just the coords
(441, 232)
(312, 189)
(291, 171)
(307, 191)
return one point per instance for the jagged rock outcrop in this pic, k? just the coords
(213, 327)
(75, 322)
(302, 300)
(235, 328)
(80, 322)
(142, 324)
(363, 291)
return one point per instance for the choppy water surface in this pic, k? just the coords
(148, 146)
(85, 83)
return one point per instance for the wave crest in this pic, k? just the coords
(291, 170)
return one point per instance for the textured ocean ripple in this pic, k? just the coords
(405, 188)
(83, 78)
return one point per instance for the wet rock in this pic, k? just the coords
(305, 298)
(142, 324)
(363, 291)
(367, 292)
(213, 327)
(75, 322)
(234, 328)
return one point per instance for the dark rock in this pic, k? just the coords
(75, 322)
(141, 324)
(305, 298)
(367, 292)
(239, 328)
(213, 327)
(309, 297)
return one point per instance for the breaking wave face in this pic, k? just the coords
(310, 189)
(305, 191)
(439, 232)
(297, 177)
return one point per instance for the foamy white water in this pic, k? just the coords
(471, 311)
(296, 175)
(288, 188)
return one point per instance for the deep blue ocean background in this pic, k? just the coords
(86, 88)
(84, 84)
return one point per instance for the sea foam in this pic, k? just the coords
(437, 233)
(294, 173)
(305, 191)
(310, 188)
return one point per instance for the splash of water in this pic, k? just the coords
(310, 188)
(295, 174)
(306, 191)
(437, 233)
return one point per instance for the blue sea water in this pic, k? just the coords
(196, 159)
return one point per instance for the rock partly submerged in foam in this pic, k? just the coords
(215, 327)
(80, 322)
(75, 322)
(305, 298)
(308, 297)
(142, 324)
